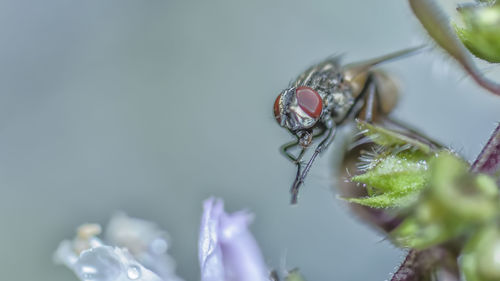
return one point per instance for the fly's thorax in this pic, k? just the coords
(325, 80)
(322, 75)
(336, 94)
(338, 102)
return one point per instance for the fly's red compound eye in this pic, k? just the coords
(277, 111)
(309, 101)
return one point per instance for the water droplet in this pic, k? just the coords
(98, 265)
(133, 272)
(89, 276)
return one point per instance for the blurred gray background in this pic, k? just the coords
(151, 106)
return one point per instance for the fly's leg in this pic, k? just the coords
(285, 151)
(371, 101)
(299, 179)
(365, 105)
(368, 111)
(297, 160)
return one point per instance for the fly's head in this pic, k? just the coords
(299, 109)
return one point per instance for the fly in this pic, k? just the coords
(326, 96)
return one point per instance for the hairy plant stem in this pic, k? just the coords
(437, 263)
(488, 161)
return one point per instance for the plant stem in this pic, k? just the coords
(437, 263)
(488, 161)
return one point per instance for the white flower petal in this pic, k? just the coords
(145, 241)
(103, 263)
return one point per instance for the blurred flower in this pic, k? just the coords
(145, 240)
(455, 202)
(227, 249)
(136, 251)
(480, 259)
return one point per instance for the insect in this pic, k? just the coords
(326, 96)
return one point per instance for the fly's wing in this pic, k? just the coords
(352, 70)
(330, 64)
(356, 75)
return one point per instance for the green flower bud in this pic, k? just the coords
(394, 173)
(481, 31)
(437, 25)
(394, 180)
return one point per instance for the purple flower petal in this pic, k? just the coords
(227, 249)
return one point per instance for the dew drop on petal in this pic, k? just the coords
(133, 272)
(98, 265)
(89, 273)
